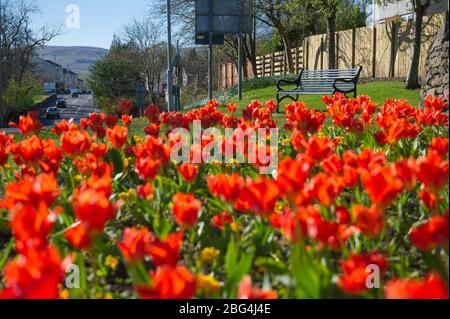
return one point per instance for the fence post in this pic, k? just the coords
(306, 54)
(272, 64)
(263, 66)
(321, 53)
(337, 50)
(374, 51)
(353, 47)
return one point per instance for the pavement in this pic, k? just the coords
(77, 108)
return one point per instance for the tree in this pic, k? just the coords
(116, 74)
(144, 36)
(19, 43)
(329, 9)
(419, 8)
(276, 14)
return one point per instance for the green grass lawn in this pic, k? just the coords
(379, 91)
(39, 98)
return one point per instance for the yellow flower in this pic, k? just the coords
(279, 206)
(64, 294)
(98, 295)
(285, 141)
(235, 227)
(131, 193)
(209, 254)
(108, 295)
(208, 283)
(111, 262)
(123, 196)
(78, 178)
(137, 139)
(126, 162)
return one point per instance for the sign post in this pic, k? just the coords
(213, 19)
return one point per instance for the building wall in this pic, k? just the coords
(405, 10)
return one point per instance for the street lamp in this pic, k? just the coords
(178, 65)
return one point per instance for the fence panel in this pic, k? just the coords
(375, 50)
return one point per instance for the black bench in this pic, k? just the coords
(323, 82)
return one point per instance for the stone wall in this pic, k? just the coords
(435, 80)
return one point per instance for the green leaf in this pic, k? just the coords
(5, 253)
(305, 273)
(231, 257)
(240, 269)
(116, 158)
(271, 264)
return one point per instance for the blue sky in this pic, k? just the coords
(99, 19)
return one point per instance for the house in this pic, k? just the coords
(49, 73)
(54, 76)
(70, 78)
(403, 9)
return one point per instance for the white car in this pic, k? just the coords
(53, 112)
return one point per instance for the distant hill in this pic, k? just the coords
(79, 59)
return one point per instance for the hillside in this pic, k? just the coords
(79, 59)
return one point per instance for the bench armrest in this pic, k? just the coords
(280, 82)
(296, 82)
(336, 81)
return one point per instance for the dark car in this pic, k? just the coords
(62, 104)
(75, 95)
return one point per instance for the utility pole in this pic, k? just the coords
(169, 62)
(210, 53)
(240, 53)
(1, 61)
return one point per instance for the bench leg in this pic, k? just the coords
(278, 103)
(280, 99)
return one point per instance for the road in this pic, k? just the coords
(77, 108)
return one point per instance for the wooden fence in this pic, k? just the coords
(383, 52)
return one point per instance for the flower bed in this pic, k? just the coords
(357, 206)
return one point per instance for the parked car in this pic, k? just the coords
(53, 112)
(75, 95)
(61, 103)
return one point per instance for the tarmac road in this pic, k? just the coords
(77, 108)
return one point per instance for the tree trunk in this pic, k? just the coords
(250, 53)
(412, 81)
(395, 26)
(287, 48)
(331, 41)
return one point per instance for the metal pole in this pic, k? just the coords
(210, 53)
(1, 62)
(240, 53)
(169, 61)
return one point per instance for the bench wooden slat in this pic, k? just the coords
(320, 82)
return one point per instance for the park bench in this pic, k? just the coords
(323, 82)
